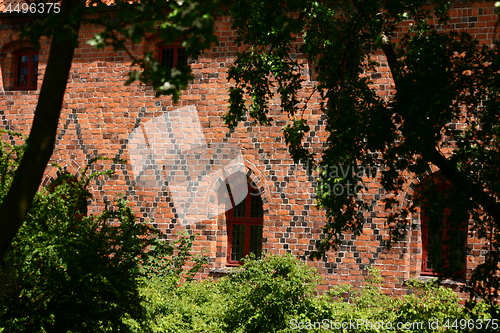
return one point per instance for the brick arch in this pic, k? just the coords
(220, 241)
(412, 183)
(221, 175)
(7, 43)
(8, 47)
(72, 167)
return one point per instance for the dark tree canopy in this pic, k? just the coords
(440, 77)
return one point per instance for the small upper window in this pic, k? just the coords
(26, 70)
(172, 56)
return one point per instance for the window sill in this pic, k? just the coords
(222, 271)
(14, 92)
(234, 264)
(445, 282)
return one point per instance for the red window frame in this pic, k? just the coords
(444, 235)
(31, 67)
(179, 54)
(247, 221)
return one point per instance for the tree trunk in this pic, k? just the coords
(40, 144)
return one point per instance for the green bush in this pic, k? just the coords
(365, 305)
(261, 296)
(267, 293)
(428, 307)
(173, 300)
(169, 259)
(427, 303)
(66, 272)
(190, 307)
(277, 294)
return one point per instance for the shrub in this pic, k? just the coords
(173, 301)
(277, 294)
(267, 293)
(261, 296)
(190, 307)
(426, 303)
(367, 305)
(428, 307)
(66, 272)
(169, 259)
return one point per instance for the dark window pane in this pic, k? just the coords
(22, 71)
(435, 249)
(82, 207)
(457, 255)
(181, 56)
(33, 71)
(167, 57)
(256, 206)
(256, 239)
(239, 210)
(238, 242)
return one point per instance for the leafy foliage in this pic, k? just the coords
(66, 272)
(441, 78)
(188, 22)
(10, 155)
(268, 292)
(190, 307)
(278, 294)
(169, 259)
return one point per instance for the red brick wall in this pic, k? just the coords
(101, 116)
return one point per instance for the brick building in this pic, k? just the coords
(239, 190)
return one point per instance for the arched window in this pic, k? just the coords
(444, 235)
(244, 224)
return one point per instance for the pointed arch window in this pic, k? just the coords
(244, 224)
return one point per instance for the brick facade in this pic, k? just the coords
(181, 155)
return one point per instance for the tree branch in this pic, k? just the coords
(392, 60)
(460, 181)
(386, 45)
